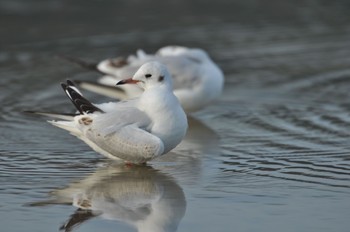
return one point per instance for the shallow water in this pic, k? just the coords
(273, 154)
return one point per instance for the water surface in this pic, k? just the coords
(273, 154)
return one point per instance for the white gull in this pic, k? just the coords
(136, 130)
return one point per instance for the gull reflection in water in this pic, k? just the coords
(187, 161)
(137, 195)
(200, 139)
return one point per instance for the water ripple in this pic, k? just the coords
(301, 144)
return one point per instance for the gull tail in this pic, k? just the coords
(63, 116)
(77, 218)
(67, 121)
(83, 105)
(67, 125)
(102, 89)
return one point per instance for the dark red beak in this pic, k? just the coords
(127, 81)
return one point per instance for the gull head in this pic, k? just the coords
(149, 75)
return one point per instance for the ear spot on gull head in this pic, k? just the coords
(161, 78)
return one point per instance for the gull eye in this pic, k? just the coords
(148, 75)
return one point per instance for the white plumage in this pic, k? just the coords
(136, 130)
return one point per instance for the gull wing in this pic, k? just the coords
(123, 135)
(128, 143)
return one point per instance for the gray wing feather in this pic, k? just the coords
(128, 143)
(123, 134)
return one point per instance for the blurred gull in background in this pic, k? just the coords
(197, 80)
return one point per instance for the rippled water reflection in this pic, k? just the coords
(271, 155)
(137, 195)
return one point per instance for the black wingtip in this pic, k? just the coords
(69, 82)
(84, 64)
(76, 219)
(83, 105)
(77, 82)
(31, 112)
(63, 85)
(28, 111)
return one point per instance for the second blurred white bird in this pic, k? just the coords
(197, 80)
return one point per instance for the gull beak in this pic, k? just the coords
(127, 81)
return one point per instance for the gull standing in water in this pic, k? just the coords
(197, 80)
(136, 130)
